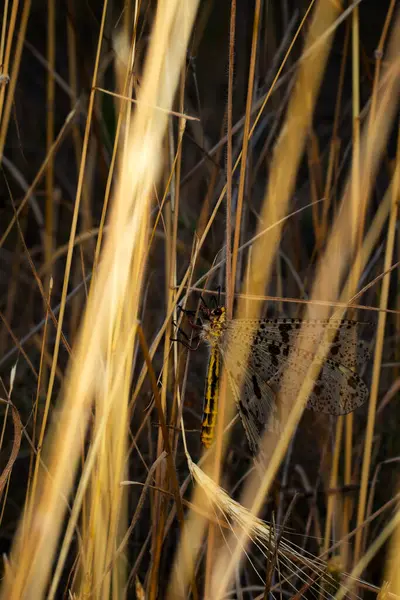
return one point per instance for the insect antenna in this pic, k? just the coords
(218, 299)
(215, 300)
(204, 303)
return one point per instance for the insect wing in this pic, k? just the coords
(345, 348)
(255, 400)
(336, 388)
(256, 403)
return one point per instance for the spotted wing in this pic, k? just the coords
(256, 404)
(336, 390)
(255, 399)
(345, 347)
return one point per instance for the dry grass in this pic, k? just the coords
(113, 494)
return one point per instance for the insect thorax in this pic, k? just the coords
(214, 324)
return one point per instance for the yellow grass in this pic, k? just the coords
(78, 522)
(98, 379)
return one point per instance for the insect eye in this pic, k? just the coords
(217, 311)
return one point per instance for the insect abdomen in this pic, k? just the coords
(211, 392)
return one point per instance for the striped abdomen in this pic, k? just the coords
(211, 392)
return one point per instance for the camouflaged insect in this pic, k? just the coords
(276, 353)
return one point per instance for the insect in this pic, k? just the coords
(275, 354)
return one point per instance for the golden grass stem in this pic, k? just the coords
(50, 105)
(31, 492)
(334, 145)
(3, 42)
(246, 137)
(333, 482)
(121, 114)
(172, 212)
(16, 53)
(366, 558)
(378, 356)
(230, 274)
(358, 201)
